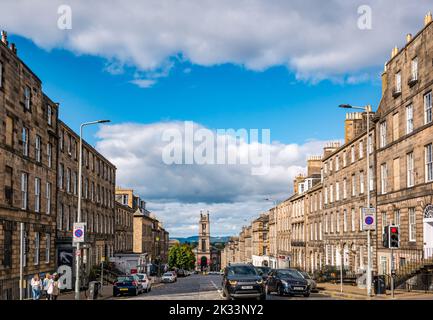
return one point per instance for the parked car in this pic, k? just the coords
(263, 271)
(129, 284)
(145, 281)
(311, 282)
(181, 273)
(242, 281)
(287, 281)
(168, 277)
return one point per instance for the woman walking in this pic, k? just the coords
(53, 287)
(36, 287)
(45, 284)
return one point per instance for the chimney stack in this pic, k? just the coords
(427, 18)
(314, 164)
(5, 37)
(394, 52)
(13, 48)
(352, 125)
(408, 37)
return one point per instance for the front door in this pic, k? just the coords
(428, 231)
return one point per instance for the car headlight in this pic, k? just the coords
(233, 282)
(259, 281)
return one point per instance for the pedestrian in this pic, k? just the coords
(36, 287)
(54, 288)
(45, 284)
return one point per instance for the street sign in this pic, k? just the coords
(79, 232)
(368, 218)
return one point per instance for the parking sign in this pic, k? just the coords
(368, 218)
(79, 232)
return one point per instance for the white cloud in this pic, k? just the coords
(316, 41)
(143, 83)
(177, 193)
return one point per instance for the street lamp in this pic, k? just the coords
(276, 229)
(366, 109)
(80, 164)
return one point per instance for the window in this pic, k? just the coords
(361, 182)
(69, 144)
(326, 195)
(68, 180)
(24, 190)
(337, 163)
(9, 131)
(361, 149)
(74, 182)
(383, 134)
(344, 159)
(344, 220)
(1, 74)
(47, 247)
(337, 191)
(26, 249)
(48, 197)
(396, 174)
(352, 154)
(412, 225)
(409, 119)
(37, 247)
(427, 108)
(38, 148)
(428, 163)
(398, 82)
(7, 252)
(384, 178)
(352, 215)
(344, 188)
(27, 97)
(60, 217)
(371, 178)
(49, 115)
(361, 218)
(37, 194)
(9, 190)
(25, 139)
(49, 155)
(395, 127)
(331, 193)
(326, 223)
(396, 220)
(414, 69)
(61, 173)
(61, 139)
(353, 185)
(370, 143)
(410, 172)
(384, 219)
(332, 222)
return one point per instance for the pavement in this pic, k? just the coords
(351, 292)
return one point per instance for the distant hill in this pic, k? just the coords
(195, 239)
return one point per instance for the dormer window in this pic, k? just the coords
(414, 69)
(398, 82)
(27, 97)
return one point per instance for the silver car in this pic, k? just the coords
(311, 282)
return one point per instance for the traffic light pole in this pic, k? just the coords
(392, 272)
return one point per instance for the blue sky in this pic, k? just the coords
(222, 96)
(253, 64)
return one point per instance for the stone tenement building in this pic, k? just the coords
(404, 126)
(260, 240)
(97, 209)
(28, 159)
(123, 228)
(325, 218)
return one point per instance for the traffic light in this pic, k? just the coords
(385, 237)
(394, 237)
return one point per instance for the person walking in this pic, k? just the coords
(45, 284)
(36, 287)
(53, 288)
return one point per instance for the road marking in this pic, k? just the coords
(219, 291)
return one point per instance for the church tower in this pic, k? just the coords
(203, 256)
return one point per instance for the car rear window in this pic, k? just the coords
(125, 279)
(242, 270)
(168, 274)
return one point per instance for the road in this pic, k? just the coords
(201, 287)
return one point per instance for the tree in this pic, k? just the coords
(181, 257)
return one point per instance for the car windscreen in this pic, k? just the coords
(290, 273)
(168, 274)
(242, 270)
(125, 279)
(306, 275)
(141, 276)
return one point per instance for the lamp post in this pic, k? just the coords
(366, 109)
(276, 230)
(80, 164)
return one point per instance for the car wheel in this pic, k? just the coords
(136, 292)
(262, 297)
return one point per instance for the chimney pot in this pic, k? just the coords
(427, 18)
(408, 37)
(4, 37)
(13, 48)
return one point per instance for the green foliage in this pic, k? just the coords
(181, 257)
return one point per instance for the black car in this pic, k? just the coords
(287, 281)
(263, 271)
(242, 281)
(129, 284)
